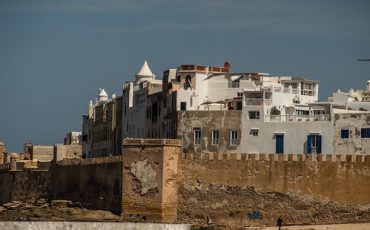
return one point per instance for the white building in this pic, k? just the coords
(270, 114)
(353, 99)
(279, 122)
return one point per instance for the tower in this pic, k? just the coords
(2, 151)
(145, 74)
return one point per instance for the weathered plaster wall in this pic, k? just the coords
(224, 121)
(23, 185)
(354, 144)
(216, 185)
(95, 182)
(67, 151)
(42, 153)
(149, 179)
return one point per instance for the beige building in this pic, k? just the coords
(39, 152)
(73, 138)
(67, 152)
(2, 152)
(101, 131)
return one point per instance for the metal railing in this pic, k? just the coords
(297, 118)
(277, 89)
(233, 84)
(308, 92)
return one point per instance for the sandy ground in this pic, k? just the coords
(365, 226)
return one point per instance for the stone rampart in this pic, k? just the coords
(95, 182)
(340, 178)
(149, 179)
(153, 181)
(23, 185)
(233, 188)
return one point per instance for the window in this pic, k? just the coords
(314, 143)
(254, 132)
(183, 106)
(215, 137)
(279, 143)
(187, 83)
(234, 137)
(365, 133)
(197, 136)
(234, 84)
(344, 134)
(254, 115)
(239, 105)
(239, 94)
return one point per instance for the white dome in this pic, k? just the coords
(144, 74)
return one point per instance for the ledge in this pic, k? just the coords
(152, 142)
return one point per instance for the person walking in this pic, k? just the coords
(279, 222)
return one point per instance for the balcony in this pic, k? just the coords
(258, 101)
(308, 92)
(233, 84)
(297, 118)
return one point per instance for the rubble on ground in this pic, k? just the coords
(57, 210)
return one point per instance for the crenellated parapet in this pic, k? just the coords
(276, 157)
(90, 161)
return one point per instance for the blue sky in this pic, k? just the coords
(54, 55)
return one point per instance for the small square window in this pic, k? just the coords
(365, 133)
(254, 132)
(344, 134)
(254, 115)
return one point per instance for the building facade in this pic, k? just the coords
(212, 109)
(101, 127)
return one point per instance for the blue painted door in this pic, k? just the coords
(279, 143)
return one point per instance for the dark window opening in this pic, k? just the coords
(344, 133)
(365, 133)
(183, 106)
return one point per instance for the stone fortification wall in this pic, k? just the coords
(96, 182)
(154, 181)
(341, 178)
(229, 187)
(23, 185)
(149, 179)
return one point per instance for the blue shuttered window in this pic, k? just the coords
(279, 143)
(344, 134)
(309, 144)
(365, 133)
(314, 143)
(318, 146)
